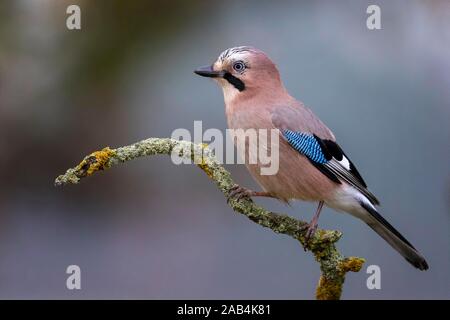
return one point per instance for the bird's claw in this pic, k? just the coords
(238, 193)
(311, 230)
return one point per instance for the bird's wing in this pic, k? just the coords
(323, 152)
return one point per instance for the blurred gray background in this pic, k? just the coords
(149, 229)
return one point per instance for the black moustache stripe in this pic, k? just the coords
(238, 84)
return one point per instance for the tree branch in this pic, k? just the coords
(333, 264)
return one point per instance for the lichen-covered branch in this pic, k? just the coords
(333, 264)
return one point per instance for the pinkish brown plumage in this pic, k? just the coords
(312, 166)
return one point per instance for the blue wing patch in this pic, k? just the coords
(328, 157)
(306, 144)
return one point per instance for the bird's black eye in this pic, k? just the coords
(238, 66)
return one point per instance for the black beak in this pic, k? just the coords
(209, 72)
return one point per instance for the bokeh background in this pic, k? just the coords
(149, 229)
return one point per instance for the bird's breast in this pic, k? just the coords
(295, 177)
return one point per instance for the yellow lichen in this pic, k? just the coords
(203, 165)
(353, 264)
(319, 254)
(331, 289)
(328, 289)
(97, 160)
(206, 168)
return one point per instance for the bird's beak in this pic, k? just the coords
(209, 72)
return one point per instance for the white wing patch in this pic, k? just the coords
(345, 163)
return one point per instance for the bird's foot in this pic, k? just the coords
(237, 192)
(310, 231)
(312, 226)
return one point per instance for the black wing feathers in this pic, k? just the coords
(338, 167)
(338, 154)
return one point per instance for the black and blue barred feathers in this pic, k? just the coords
(329, 158)
(306, 144)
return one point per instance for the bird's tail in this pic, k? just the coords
(393, 237)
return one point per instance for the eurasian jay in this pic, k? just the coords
(312, 166)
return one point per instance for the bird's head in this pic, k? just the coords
(243, 71)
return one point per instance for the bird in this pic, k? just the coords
(312, 166)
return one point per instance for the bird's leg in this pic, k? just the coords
(237, 192)
(312, 226)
